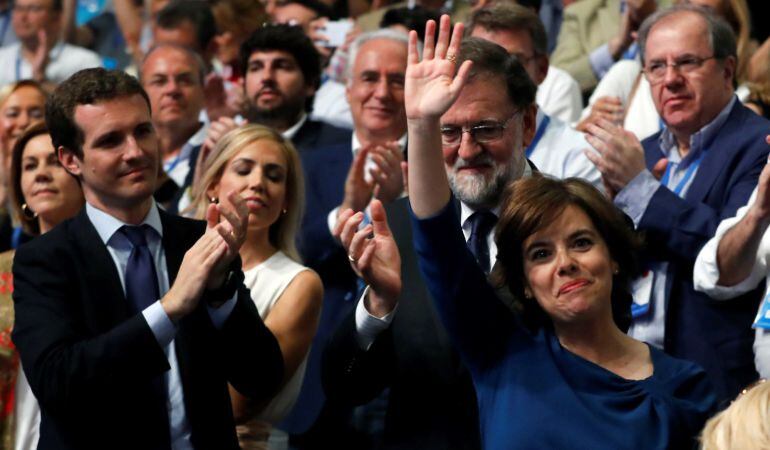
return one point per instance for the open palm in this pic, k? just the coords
(431, 84)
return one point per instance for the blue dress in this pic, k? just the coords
(535, 394)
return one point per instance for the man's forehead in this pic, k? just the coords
(44, 3)
(271, 55)
(164, 59)
(381, 52)
(685, 31)
(106, 113)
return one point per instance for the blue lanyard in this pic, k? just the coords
(174, 163)
(538, 135)
(687, 175)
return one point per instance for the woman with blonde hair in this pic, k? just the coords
(744, 425)
(264, 169)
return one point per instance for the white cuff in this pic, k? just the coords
(368, 327)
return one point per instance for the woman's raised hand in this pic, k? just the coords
(431, 84)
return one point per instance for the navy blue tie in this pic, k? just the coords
(482, 222)
(141, 277)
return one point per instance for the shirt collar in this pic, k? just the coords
(107, 225)
(699, 140)
(289, 134)
(194, 141)
(356, 144)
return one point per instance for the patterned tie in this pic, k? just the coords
(141, 278)
(482, 222)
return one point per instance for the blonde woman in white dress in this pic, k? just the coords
(264, 168)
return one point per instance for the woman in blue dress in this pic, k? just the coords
(563, 373)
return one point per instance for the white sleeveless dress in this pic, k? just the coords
(267, 282)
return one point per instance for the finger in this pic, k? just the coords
(598, 130)
(226, 232)
(457, 38)
(359, 161)
(349, 228)
(461, 78)
(241, 208)
(357, 243)
(405, 175)
(659, 168)
(597, 160)
(379, 218)
(442, 44)
(413, 57)
(342, 217)
(364, 261)
(215, 255)
(428, 47)
(212, 216)
(386, 164)
(379, 177)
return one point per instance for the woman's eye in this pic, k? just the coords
(538, 254)
(583, 243)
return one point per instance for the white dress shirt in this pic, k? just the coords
(560, 152)
(559, 95)
(706, 280)
(164, 330)
(63, 61)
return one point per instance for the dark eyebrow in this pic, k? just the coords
(574, 235)
(103, 139)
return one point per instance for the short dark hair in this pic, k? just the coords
(56, 5)
(30, 225)
(318, 7)
(511, 17)
(530, 204)
(197, 12)
(290, 39)
(411, 18)
(491, 59)
(86, 87)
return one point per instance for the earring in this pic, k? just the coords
(616, 271)
(213, 200)
(28, 213)
(284, 211)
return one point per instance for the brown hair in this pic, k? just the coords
(30, 225)
(530, 204)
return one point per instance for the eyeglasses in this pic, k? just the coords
(656, 70)
(482, 132)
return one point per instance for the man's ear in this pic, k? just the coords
(528, 124)
(69, 161)
(730, 68)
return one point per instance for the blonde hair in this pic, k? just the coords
(744, 425)
(282, 233)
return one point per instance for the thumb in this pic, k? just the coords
(379, 218)
(212, 216)
(659, 168)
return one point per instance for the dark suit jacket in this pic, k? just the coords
(325, 152)
(716, 335)
(90, 361)
(432, 402)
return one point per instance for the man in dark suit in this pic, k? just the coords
(710, 155)
(130, 323)
(431, 400)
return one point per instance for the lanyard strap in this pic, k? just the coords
(6, 18)
(687, 175)
(538, 135)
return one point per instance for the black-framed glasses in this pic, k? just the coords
(655, 71)
(482, 132)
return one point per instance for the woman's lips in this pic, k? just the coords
(573, 286)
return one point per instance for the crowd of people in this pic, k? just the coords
(314, 224)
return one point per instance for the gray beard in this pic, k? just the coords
(475, 190)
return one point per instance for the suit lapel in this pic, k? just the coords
(716, 157)
(100, 272)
